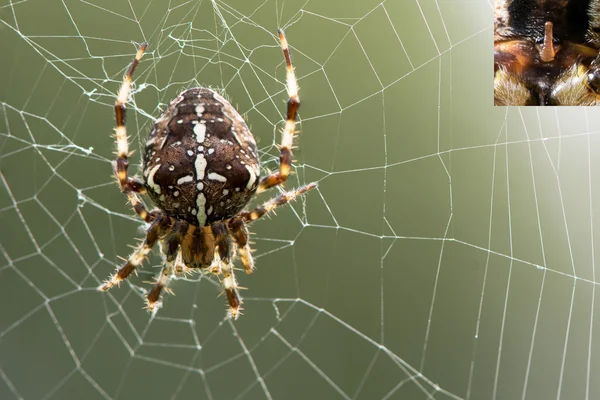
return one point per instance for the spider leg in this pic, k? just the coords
(129, 186)
(161, 282)
(250, 216)
(172, 243)
(240, 234)
(224, 245)
(173, 262)
(287, 138)
(156, 229)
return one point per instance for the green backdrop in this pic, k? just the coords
(448, 253)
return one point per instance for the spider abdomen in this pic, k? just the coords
(200, 162)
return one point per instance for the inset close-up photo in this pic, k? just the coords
(546, 53)
(291, 200)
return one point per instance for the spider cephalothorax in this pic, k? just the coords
(200, 168)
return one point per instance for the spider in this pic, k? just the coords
(200, 168)
(547, 52)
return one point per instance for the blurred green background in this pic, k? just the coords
(448, 253)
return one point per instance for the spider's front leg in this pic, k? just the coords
(224, 257)
(173, 262)
(240, 233)
(158, 227)
(129, 186)
(287, 136)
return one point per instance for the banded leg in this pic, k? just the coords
(241, 235)
(129, 186)
(155, 230)
(250, 216)
(173, 251)
(173, 260)
(224, 245)
(162, 282)
(287, 136)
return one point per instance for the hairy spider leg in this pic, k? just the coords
(129, 186)
(157, 228)
(225, 263)
(287, 137)
(240, 234)
(172, 247)
(250, 216)
(161, 283)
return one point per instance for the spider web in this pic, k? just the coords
(448, 252)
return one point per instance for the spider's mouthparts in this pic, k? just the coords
(547, 52)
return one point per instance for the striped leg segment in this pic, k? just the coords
(223, 256)
(130, 186)
(231, 289)
(161, 283)
(272, 204)
(174, 263)
(155, 230)
(287, 138)
(172, 247)
(240, 234)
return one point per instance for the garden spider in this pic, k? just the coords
(200, 168)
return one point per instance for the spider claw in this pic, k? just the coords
(141, 51)
(152, 300)
(152, 306)
(233, 313)
(113, 280)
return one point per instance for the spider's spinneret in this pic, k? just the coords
(201, 163)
